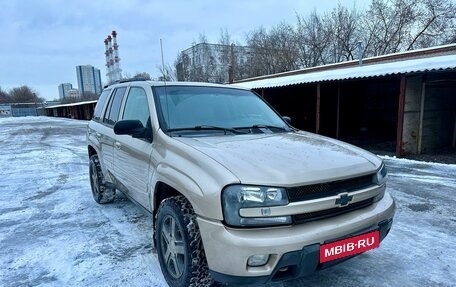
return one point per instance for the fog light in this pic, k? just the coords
(257, 260)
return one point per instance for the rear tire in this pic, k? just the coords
(179, 246)
(101, 193)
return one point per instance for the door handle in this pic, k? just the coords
(98, 135)
(117, 145)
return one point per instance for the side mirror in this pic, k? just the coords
(133, 128)
(287, 119)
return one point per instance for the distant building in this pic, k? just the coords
(19, 109)
(5, 111)
(63, 90)
(89, 79)
(73, 93)
(213, 63)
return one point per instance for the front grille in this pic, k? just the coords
(319, 190)
(321, 214)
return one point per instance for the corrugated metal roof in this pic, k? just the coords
(364, 71)
(72, 104)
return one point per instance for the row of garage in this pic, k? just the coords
(403, 103)
(80, 110)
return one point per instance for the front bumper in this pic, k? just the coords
(294, 250)
(294, 264)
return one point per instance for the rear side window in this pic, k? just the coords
(112, 112)
(136, 107)
(100, 104)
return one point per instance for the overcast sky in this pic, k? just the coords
(42, 41)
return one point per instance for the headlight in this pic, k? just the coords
(380, 179)
(381, 176)
(235, 197)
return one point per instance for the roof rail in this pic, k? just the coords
(132, 80)
(124, 81)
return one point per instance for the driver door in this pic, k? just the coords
(132, 155)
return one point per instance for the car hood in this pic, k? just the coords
(285, 159)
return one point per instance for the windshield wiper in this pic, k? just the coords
(269, 127)
(261, 126)
(205, 128)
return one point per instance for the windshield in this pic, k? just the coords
(212, 108)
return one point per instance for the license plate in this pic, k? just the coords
(349, 246)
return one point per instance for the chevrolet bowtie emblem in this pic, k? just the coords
(344, 199)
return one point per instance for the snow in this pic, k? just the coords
(52, 233)
(363, 71)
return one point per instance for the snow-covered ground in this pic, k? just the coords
(52, 233)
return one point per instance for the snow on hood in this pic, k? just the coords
(285, 159)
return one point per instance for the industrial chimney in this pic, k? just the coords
(117, 71)
(108, 65)
(113, 71)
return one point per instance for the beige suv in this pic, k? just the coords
(237, 195)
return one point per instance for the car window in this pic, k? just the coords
(112, 112)
(100, 104)
(136, 107)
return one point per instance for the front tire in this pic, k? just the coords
(179, 246)
(101, 193)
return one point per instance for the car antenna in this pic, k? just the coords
(164, 82)
(163, 62)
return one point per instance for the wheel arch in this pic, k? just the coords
(163, 191)
(91, 150)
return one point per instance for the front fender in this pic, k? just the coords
(191, 173)
(204, 196)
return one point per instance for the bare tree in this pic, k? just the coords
(4, 96)
(314, 38)
(259, 62)
(24, 94)
(284, 48)
(167, 73)
(387, 23)
(272, 51)
(343, 25)
(435, 23)
(126, 75)
(234, 58)
(226, 56)
(203, 61)
(144, 76)
(451, 38)
(399, 25)
(182, 66)
(225, 38)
